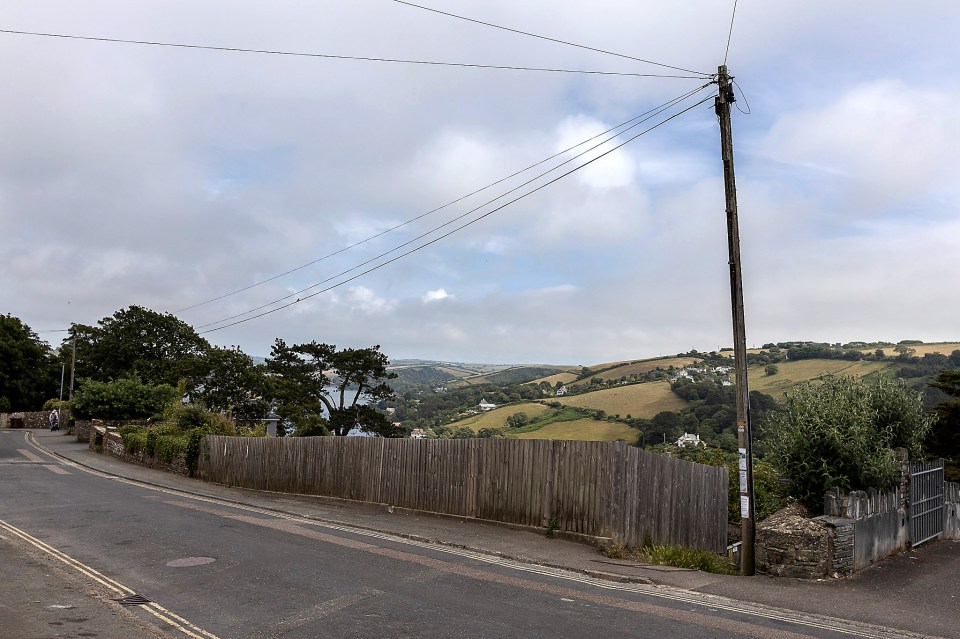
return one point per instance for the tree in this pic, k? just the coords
(518, 420)
(227, 380)
(842, 432)
(312, 379)
(944, 438)
(771, 369)
(29, 373)
(124, 398)
(157, 347)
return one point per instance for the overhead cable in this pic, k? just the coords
(439, 208)
(459, 228)
(652, 113)
(343, 57)
(730, 33)
(542, 37)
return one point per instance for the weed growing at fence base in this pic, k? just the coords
(677, 556)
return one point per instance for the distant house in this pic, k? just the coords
(561, 391)
(417, 433)
(485, 405)
(689, 440)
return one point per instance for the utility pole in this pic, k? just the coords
(724, 99)
(73, 363)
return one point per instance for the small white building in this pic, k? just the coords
(690, 440)
(561, 391)
(485, 405)
(417, 433)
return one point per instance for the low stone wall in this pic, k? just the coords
(83, 427)
(32, 419)
(858, 529)
(790, 544)
(106, 440)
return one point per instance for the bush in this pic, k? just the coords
(842, 432)
(125, 398)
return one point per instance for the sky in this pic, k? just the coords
(168, 177)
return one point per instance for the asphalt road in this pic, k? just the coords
(213, 569)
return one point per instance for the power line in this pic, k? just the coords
(542, 37)
(459, 228)
(730, 34)
(439, 208)
(343, 57)
(653, 112)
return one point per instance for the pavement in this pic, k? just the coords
(918, 590)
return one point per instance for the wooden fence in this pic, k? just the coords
(602, 489)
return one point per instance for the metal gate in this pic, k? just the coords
(926, 501)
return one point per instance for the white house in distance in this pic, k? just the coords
(690, 440)
(485, 405)
(561, 391)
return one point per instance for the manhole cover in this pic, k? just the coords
(190, 561)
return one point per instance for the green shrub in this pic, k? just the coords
(193, 450)
(134, 438)
(843, 432)
(125, 398)
(678, 556)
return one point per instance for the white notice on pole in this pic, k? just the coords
(743, 458)
(743, 481)
(744, 507)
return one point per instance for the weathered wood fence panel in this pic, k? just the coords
(595, 488)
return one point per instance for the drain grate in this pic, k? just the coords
(132, 600)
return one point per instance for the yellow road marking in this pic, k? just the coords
(114, 586)
(51, 467)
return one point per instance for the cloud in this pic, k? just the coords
(435, 296)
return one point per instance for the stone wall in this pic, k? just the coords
(106, 440)
(858, 529)
(83, 427)
(791, 544)
(32, 419)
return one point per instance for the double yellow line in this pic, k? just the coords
(155, 609)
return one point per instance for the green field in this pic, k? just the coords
(792, 373)
(497, 418)
(584, 429)
(563, 378)
(645, 366)
(636, 400)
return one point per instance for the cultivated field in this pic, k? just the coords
(639, 368)
(636, 400)
(497, 418)
(563, 378)
(584, 429)
(944, 348)
(792, 373)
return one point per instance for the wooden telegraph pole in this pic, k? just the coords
(725, 98)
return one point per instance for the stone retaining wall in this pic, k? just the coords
(32, 419)
(858, 529)
(106, 440)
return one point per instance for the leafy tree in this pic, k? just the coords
(227, 380)
(157, 347)
(29, 374)
(518, 420)
(310, 379)
(771, 369)
(124, 398)
(842, 432)
(490, 433)
(944, 439)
